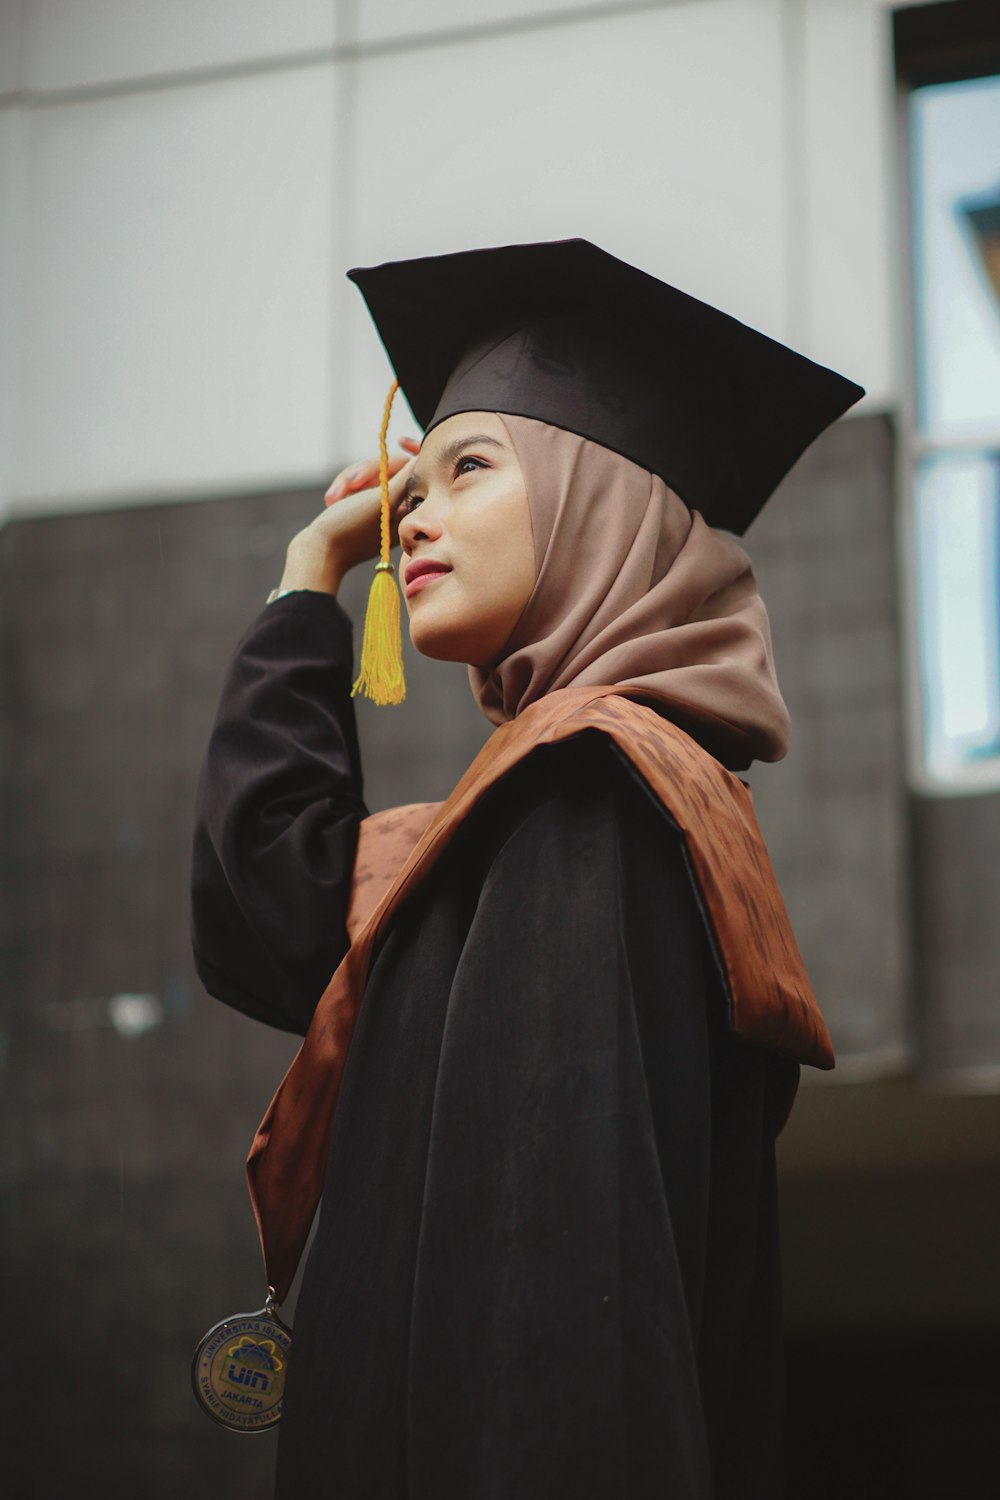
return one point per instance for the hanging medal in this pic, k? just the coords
(239, 1369)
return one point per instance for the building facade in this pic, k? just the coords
(183, 367)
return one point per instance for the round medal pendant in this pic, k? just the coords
(239, 1370)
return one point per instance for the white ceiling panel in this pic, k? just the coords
(390, 20)
(174, 323)
(77, 43)
(11, 196)
(11, 34)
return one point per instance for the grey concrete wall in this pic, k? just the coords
(834, 810)
(127, 1229)
(956, 902)
(126, 1224)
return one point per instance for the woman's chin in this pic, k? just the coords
(442, 640)
(436, 642)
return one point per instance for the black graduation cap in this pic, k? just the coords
(564, 332)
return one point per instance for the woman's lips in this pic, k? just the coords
(419, 575)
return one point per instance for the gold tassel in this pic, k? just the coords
(381, 674)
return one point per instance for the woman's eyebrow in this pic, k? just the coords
(449, 453)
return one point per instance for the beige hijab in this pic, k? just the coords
(633, 588)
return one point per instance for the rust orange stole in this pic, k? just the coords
(770, 997)
(385, 842)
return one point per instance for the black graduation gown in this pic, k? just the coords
(546, 1262)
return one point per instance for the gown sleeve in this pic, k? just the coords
(278, 808)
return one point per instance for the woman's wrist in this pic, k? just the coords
(310, 568)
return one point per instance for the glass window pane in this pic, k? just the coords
(955, 134)
(958, 554)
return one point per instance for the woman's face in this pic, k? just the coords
(469, 562)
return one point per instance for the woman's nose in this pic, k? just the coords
(421, 525)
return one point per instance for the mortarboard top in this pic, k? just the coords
(564, 332)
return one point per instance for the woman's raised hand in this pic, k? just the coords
(346, 532)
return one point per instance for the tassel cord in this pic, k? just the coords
(380, 677)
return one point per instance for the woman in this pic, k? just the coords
(561, 1048)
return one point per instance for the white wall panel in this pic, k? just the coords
(384, 20)
(849, 193)
(658, 135)
(175, 317)
(70, 43)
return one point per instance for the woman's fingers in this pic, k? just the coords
(350, 481)
(351, 524)
(364, 476)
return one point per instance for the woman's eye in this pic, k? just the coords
(468, 459)
(409, 503)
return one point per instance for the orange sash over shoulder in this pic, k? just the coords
(770, 998)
